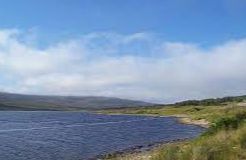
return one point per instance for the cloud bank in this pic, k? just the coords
(137, 66)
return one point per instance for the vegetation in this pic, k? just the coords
(225, 139)
(10, 101)
(209, 113)
(211, 101)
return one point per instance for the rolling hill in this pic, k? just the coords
(10, 101)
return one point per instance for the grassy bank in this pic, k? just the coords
(225, 138)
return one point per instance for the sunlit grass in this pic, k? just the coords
(225, 139)
(223, 145)
(210, 113)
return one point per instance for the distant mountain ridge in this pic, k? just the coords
(10, 101)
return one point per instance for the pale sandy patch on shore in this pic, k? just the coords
(188, 120)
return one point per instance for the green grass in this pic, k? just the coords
(225, 139)
(209, 113)
(223, 145)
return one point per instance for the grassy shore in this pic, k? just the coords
(225, 138)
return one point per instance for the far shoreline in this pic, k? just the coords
(182, 118)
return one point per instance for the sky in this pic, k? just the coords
(153, 50)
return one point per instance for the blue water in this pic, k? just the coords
(76, 135)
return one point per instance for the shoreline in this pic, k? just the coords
(139, 151)
(143, 152)
(182, 118)
(187, 120)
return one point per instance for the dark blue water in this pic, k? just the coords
(74, 135)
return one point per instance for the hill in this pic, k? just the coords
(211, 101)
(9, 101)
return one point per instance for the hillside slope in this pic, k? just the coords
(10, 101)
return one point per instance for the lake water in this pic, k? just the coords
(76, 135)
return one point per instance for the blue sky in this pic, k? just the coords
(153, 50)
(205, 22)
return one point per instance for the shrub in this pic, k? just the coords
(227, 123)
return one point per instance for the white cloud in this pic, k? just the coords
(137, 66)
